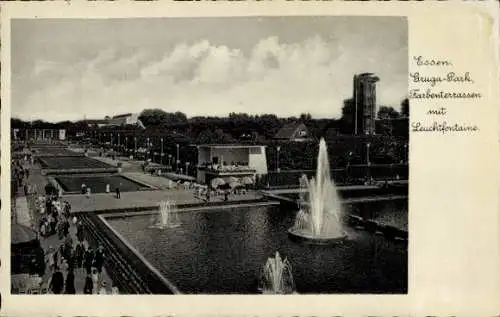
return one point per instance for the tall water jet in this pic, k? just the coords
(277, 277)
(319, 219)
(167, 215)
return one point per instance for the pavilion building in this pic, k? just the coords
(230, 160)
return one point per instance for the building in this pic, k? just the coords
(39, 134)
(125, 119)
(226, 160)
(365, 103)
(97, 123)
(294, 132)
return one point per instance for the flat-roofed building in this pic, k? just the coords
(230, 160)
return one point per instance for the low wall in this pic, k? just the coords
(354, 174)
(185, 206)
(152, 278)
(371, 226)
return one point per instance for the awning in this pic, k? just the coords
(21, 234)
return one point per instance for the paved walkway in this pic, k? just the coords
(157, 181)
(27, 215)
(144, 199)
(23, 214)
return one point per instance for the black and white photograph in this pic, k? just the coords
(229, 155)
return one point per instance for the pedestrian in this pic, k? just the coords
(114, 289)
(84, 189)
(56, 283)
(95, 280)
(51, 258)
(89, 259)
(79, 231)
(88, 287)
(108, 188)
(70, 283)
(99, 259)
(118, 192)
(88, 192)
(65, 228)
(79, 253)
(102, 290)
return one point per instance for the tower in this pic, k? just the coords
(365, 103)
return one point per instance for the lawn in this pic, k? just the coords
(97, 183)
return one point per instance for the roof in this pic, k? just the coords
(289, 130)
(21, 234)
(122, 115)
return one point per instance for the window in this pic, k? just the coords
(255, 150)
(302, 133)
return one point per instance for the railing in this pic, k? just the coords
(227, 169)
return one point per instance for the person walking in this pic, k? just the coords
(56, 283)
(99, 259)
(114, 289)
(118, 193)
(88, 287)
(79, 231)
(89, 259)
(79, 253)
(102, 290)
(70, 283)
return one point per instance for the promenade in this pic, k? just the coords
(145, 199)
(26, 214)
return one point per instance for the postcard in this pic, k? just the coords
(252, 159)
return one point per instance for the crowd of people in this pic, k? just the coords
(71, 257)
(54, 269)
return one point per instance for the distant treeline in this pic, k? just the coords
(237, 126)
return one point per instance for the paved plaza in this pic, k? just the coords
(145, 199)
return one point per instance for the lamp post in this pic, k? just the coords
(170, 161)
(126, 145)
(349, 158)
(368, 153)
(178, 161)
(118, 145)
(147, 148)
(368, 162)
(278, 158)
(135, 147)
(161, 151)
(406, 154)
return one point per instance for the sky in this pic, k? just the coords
(70, 69)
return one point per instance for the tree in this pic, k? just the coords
(405, 108)
(305, 118)
(386, 113)
(153, 117)
(217, 136)
(347, 119)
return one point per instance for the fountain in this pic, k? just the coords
(167, 215)
(277, 277)
(319, 219)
